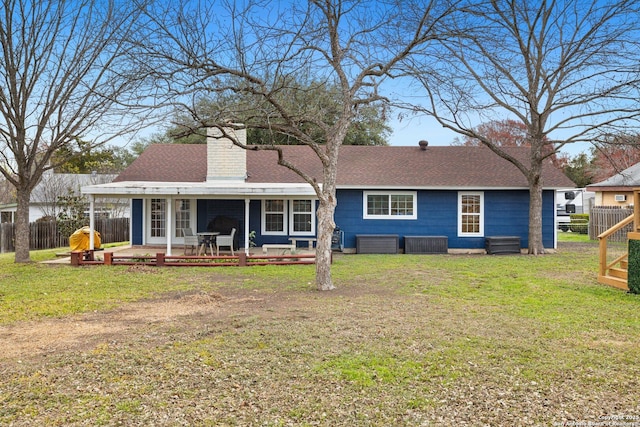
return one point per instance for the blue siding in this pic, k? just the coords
(506, 212)
(548, 218)
(137, 213)
(208, 209)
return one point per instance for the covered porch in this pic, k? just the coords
(161, 210)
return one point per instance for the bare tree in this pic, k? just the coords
(271, 55)
(567, 70)
(65, 73)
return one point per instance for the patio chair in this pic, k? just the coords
(190, 240)
(225, 240)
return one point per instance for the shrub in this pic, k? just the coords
(579, 223)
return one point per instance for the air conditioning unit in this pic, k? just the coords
(621, 197)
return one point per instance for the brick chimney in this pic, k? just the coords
(226, 161)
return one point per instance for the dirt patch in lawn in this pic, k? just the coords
(80, 333)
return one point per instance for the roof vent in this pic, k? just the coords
(423, 144)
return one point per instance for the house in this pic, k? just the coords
(44, 201)
(618, 189)
(463, 193)
(8, 205)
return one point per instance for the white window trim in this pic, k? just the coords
(366, 194)
(288, 219)
(471, 193)
(313, 219)
(263, 221)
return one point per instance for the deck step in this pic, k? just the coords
(616, 282)
(618, 272)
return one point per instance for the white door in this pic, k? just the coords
(183, 217)
(157, 221)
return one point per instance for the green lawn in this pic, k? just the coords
(404, 340)
(567, 236)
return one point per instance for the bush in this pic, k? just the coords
(579, 223)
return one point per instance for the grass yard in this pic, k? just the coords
(405, 340)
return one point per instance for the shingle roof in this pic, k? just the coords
(440, 166)
(168, 163)
(629, 177)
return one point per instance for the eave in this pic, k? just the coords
(227, 189)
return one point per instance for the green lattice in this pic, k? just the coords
(634, 266)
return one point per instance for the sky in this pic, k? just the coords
(410, 131)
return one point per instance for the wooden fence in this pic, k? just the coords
(45, 234)
(603, 218)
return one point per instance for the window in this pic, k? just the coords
(302, 217)
(470, 214)
(385, 205)
(282, 217)
(273, 217)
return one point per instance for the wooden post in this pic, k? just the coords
(108, 258)
(76, 258)
(160, 259)
(636, 209)
(242, 259)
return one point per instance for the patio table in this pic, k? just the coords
(208, 238)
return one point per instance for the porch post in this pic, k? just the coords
(246, 226)
(92, 221)
(169, 224)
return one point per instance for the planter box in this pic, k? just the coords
(377, 243)
(426, 244)
(502, 245)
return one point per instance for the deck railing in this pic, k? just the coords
(614, 272)
(606, 266)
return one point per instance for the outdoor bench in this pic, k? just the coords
(290, 247)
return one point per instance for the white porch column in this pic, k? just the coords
(92, 221)
(246, 226)
(169, 225)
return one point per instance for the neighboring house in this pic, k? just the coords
(44, 197)
(464, 193)
(7, 201)
(617, 190)
(8, 212)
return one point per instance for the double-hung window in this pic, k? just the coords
(390, 205)
(274, 219)
(302, 217)
(293, 217)
(471, 214)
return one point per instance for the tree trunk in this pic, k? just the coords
(22, 230)
(536, 246)
(326, 225)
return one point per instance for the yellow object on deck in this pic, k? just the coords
(79, 240)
